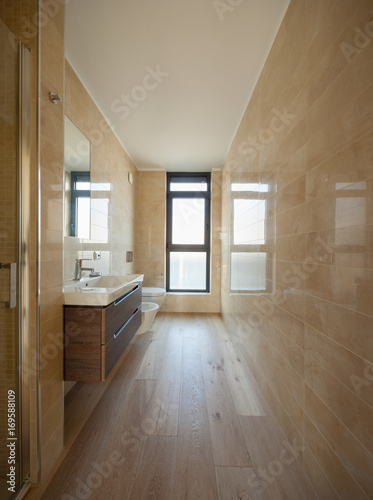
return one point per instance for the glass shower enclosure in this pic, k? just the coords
(14, 265)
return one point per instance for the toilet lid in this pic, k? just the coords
(152, 291)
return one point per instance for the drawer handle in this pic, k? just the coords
(118, 301)
(12, 285)
(126, 323)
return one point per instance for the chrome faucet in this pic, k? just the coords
(79, 269)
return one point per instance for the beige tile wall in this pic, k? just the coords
(150, 254)
(51, 235)
(112, 196)
(307, 134)
(150, 221)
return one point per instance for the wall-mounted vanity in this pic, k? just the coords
(101, 317)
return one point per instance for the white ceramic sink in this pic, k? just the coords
(99, 291)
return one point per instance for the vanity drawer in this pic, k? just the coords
(119, 311)
(95, 337)
(114, 348)
(82, 343)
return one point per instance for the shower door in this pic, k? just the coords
(14, 301)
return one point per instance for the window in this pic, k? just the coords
(188, 232)
(251, 254)
(80, 204)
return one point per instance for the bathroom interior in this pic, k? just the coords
(289, 267)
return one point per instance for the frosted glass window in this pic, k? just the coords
(82, 186)
(248, 271)
(188, 186)
(188, 221)
(249, 222)
(101, 205)
(187, 270)
(103, 186)
(350, 212)
(99, 234)
(359, 186)
(253, 187)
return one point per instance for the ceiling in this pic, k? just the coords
(172, 77)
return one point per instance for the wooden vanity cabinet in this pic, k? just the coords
(95, 337)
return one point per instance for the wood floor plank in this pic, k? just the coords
(188, 325)
(214, 454)
(164, 412)
(79, 409)
(277, 469)
(111, 440)
(150, 366)
(236, 483)
(155, 474)
(194, 471)
(236, 372)
(85, 396)
(228, 444)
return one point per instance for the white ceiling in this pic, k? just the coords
(209, 54)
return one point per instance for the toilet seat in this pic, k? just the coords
(153, 291)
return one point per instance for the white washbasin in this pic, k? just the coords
(99, 291)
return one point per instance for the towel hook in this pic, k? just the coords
(55, 98)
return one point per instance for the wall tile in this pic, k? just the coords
(346, 405)
(340, 362)
(51, 262)
(112, 197)
(343, 483)
(311, 327)
(353, 455)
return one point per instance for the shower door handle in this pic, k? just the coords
(12, 285)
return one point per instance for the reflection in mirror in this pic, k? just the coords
(251, 248)
(77, 161)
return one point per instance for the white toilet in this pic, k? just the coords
(153, 294)
(152, 300)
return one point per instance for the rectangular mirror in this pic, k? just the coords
(77, 166)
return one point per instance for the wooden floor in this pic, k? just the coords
(181, 418)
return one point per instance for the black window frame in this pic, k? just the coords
(76, 194)
(206, 247)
